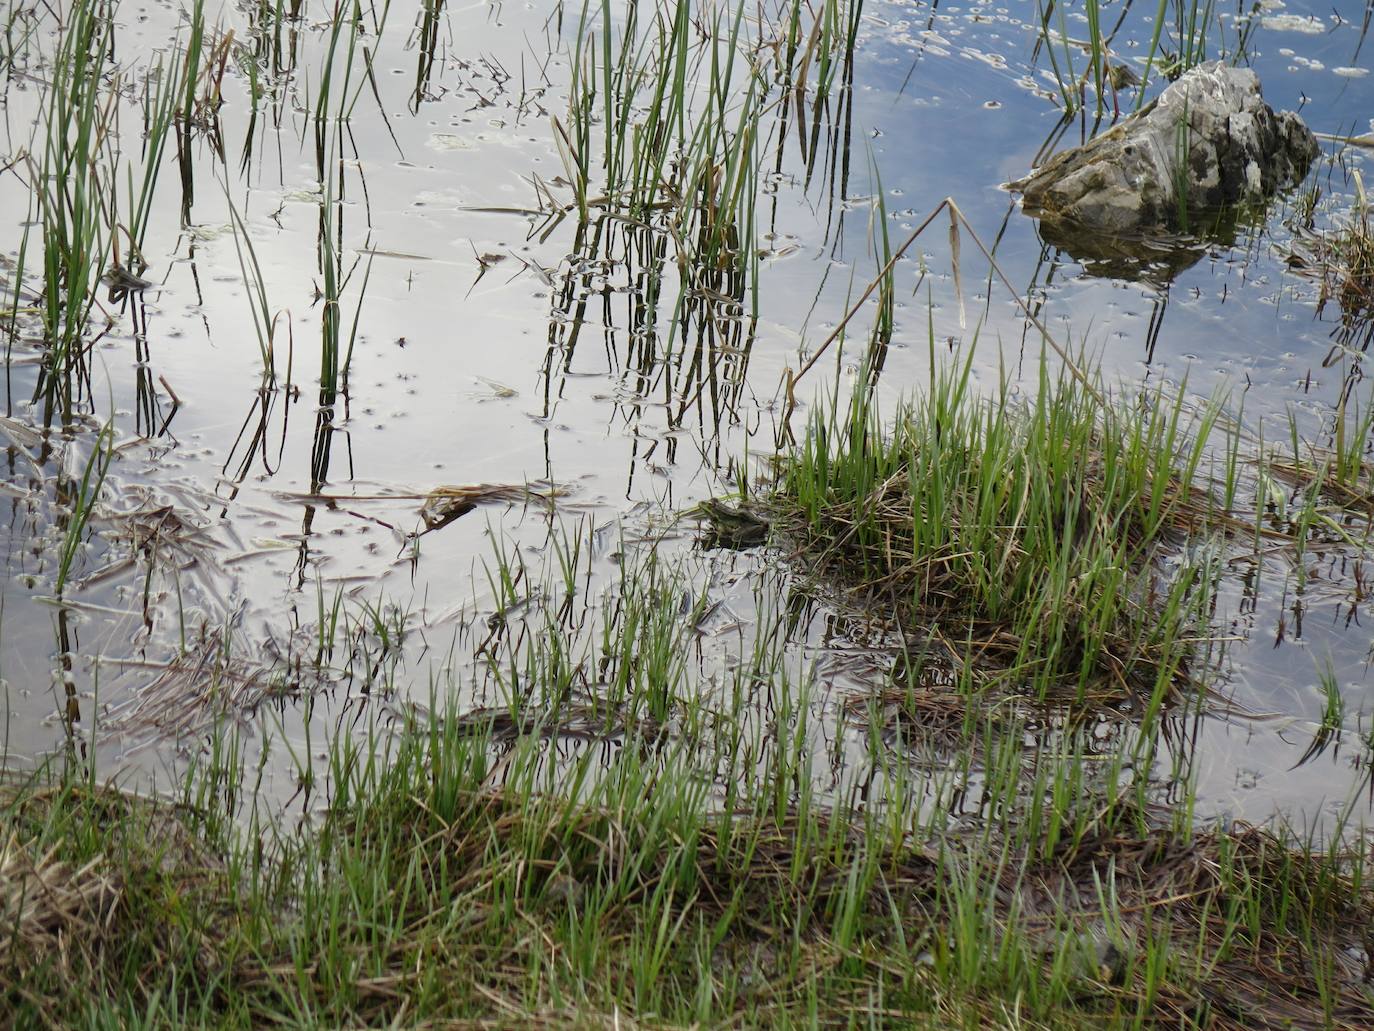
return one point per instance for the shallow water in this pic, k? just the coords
(490, 350)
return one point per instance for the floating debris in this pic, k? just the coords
(445, 504)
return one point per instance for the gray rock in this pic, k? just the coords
(1208, 142)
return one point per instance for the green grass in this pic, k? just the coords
(609, 829)
(460, 876)
(72, 194)
(670, 110)
(661, 133)
(93, 179)
(1034, 528)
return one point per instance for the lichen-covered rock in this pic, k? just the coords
(1207, 142)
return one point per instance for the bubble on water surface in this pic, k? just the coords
(447, 141)
(1309, 25)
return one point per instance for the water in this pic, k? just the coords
(491, 348)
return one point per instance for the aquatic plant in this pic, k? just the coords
(72, 191)
(1340, 260)
(677, 131)
(82, 498)
(662, 142)
(1030, 526)
(79, 167)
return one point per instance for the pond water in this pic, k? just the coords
(245, 519)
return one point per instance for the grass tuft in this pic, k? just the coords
(1042, 530)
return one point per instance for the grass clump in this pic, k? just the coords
(1041, 532)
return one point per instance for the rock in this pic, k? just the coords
(1208, 142)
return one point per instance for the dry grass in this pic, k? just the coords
(207, 682)
(48, 904)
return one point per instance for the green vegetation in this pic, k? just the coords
(1182, 34)
(671, 110)
(1341, 261)
(667, 112)
(590, 823)
(77, 167)
(72, 191)
(81, 497)
(1028, 529)
(470, 866)
(93, 190)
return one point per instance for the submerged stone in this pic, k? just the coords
(1209, 142)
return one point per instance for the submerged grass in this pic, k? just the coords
(1037, 528)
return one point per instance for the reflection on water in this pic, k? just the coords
(1153, 259)
(370, 269)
